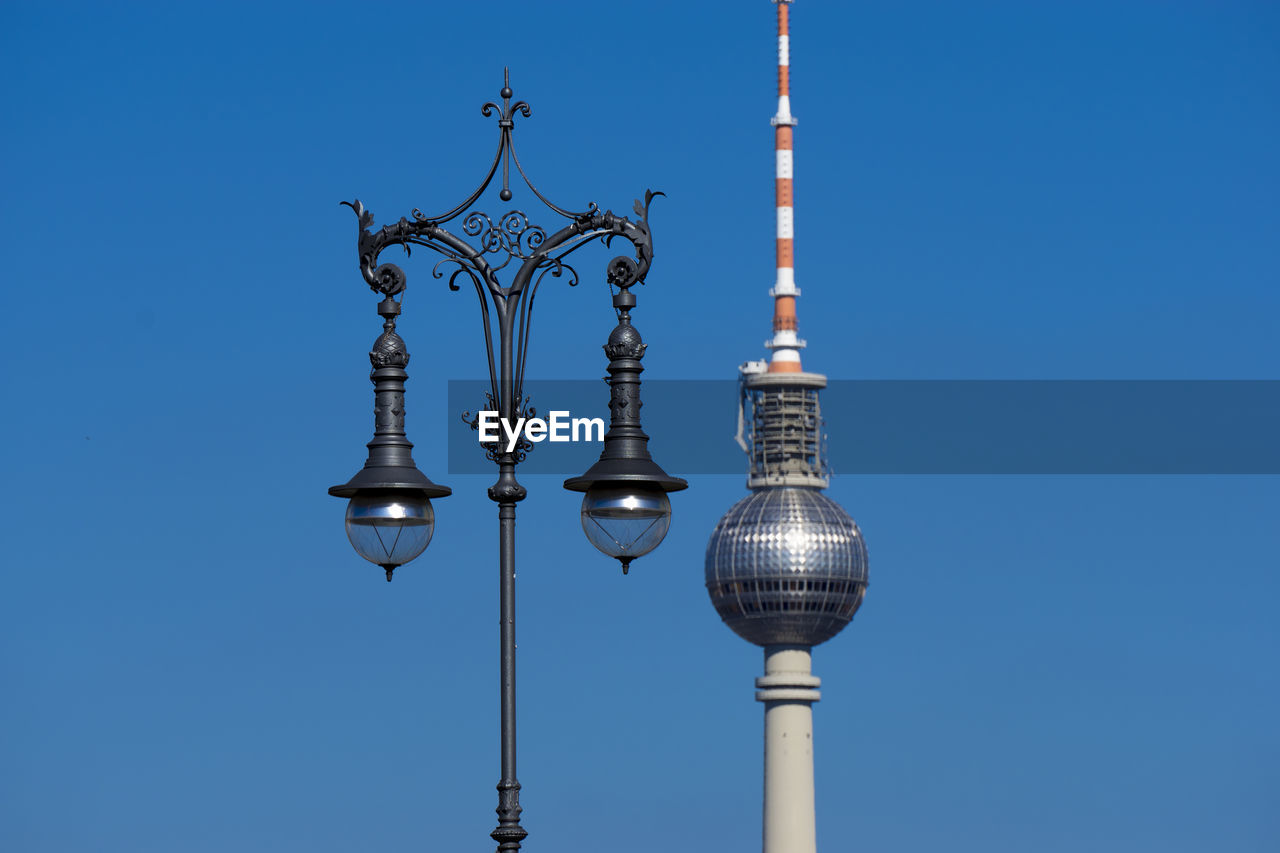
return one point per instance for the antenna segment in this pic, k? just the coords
(785, 345)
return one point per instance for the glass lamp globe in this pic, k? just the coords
(625, 521)
(391, 528)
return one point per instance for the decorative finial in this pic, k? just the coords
(507, 121)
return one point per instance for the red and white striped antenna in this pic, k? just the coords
(785, 345)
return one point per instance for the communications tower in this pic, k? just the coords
(786, 566)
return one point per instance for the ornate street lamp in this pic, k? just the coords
(625, 510)
(389, 518)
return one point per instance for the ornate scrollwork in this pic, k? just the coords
(387, 279)
(505, 156)
(463, 267)
(512, 235)
(473, 419)
(484, 246)
(557, 268)
(508, 110)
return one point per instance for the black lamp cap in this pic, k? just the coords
(626, 471)
(390, 478)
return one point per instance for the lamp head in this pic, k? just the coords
(625, 520)
(625, 509)
(390, 528)
(390, 519)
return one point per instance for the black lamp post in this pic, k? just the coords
(625, 510)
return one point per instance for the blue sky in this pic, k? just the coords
(194, 659)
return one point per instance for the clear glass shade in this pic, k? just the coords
(625, 521)
(390, 529)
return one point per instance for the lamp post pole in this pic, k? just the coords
(390, 497)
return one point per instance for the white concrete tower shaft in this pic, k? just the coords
(788, 690)
(785, 345)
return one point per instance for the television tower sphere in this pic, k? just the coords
(786, 566)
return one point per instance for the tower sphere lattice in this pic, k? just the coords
(786, 566)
